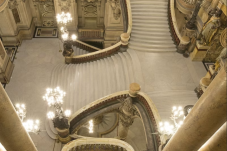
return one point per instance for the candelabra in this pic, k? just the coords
(29, 125)
(168, 129)
(63, 19)
(54, 98)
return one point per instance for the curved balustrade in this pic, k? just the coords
(173, 23)
(100, 144)
(110, 102)
(98, 54)
(85, 46)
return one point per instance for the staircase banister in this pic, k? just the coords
(152, 106)
(129, 17)
(96, 52)
(88, 45)
(173, 18)
(96, 102)
(100, 141)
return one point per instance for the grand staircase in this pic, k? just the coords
(87, 82)
(150, 29)
(84, 83)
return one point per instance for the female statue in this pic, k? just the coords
(210, 28)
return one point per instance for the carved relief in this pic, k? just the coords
(115, 5)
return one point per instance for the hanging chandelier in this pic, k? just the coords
(64, 18)
(54, 98)
(30, 125)
(165, 128)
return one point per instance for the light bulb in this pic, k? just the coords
(50, 115)
(67, 113)
(74, 37)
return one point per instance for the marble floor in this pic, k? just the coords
(168, 78)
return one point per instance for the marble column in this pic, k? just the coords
(217, 142)
(13, 136)
(205, 118)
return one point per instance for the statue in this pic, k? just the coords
(210, 28)
(68, 50)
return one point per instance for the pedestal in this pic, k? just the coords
(199, 52)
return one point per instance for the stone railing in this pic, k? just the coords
(90, 33)
(80, 117)
(99, 144)
(107, 51)
(85, 46)
(173, 23)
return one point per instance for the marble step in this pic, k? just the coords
(150, 36)
(152, 41)
(166, 33)
(152, 45)
(136, 24)
(154, 3)
(141, 17)
(158, 14)
(149, 49)
(144, 28)
(138, 20)
(148, 10)
(78, 51)
(147, 6)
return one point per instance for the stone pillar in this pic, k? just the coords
(13, 136)
(205, 118)
(124, 42)
(217, 142)
(124, 38)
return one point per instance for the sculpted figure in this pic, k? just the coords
(68, 50)
(210, 28)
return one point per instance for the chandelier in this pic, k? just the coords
(64, 18)
(29, 125)
(168, 129)
(54, 98)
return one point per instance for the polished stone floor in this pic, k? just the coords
(168, 78)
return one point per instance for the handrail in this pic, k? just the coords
(143, 98)
(101, 53)
(173, 23)
(98, 141)
(85, 45)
